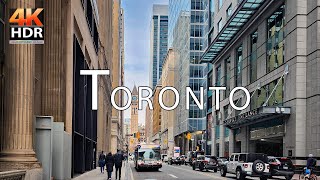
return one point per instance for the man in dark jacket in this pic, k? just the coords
(118, 158)
(102, 159)
(109, 164)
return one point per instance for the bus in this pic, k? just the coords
(147, 156)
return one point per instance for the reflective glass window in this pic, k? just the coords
(238, 69)
(253, 56)
(275, 44)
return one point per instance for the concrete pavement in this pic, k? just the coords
(126, 174)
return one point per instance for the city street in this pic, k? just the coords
(178, 172)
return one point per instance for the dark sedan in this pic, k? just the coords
(281, 167)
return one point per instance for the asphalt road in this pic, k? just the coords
(177, 172)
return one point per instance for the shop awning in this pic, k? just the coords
(238, 19)
(257, 115)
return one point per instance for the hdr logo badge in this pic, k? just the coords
(26, 26)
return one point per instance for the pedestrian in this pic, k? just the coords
(109, 164)
(118, 158)
(102, 161)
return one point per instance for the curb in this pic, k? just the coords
(129, 170)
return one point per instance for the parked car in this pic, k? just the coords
(165, 159)
(163, 156)
(191, 156)
(281, 167)
(183, 158)
(247, 164)
(221, 162)
(205, 163)
(174, 160)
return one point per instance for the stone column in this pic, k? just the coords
(53, 67)
(222, 138)
(17, 146)
(213, 140)
(231, 141)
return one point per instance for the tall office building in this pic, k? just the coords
(269, 47)
(158, 42)
(188, 23)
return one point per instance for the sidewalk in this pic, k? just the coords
(126, 174)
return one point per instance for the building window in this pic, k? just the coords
(212, 9)
(238, 69)
(220, 25)
(227, 76)
(218, 80)
(229, 11)
(220, 3)
(253, 56)
(260, 96)
(275, 45)
(218, 76)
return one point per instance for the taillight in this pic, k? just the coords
(245, 165)
(205, 162)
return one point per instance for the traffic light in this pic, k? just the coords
(134, 135)
(189, 136)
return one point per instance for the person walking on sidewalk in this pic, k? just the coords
(109, 164)
(118, 158)
(102, 161)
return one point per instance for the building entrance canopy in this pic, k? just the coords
(257, 115)
(241, 16)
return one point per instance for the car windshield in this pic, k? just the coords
(149, 154)
(201, 157)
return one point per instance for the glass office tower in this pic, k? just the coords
(159, 42)
(188, 24)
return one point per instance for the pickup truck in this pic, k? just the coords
(247, 164)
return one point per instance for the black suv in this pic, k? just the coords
(174, 160)
(205, 163)
(281, 167)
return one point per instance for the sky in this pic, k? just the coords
(137, 19)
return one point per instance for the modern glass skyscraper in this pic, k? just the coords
(159, 42)
(188, 24)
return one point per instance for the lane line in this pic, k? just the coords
(205, 174)
(172, 175)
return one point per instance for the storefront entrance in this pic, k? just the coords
(271, 146)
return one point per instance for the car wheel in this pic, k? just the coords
(201, 166)
(194, 167)
(215, 170)
(223, 172)
(258, 166)
(239, 175)
(288, 177)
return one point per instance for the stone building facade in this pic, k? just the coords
(117, 74)
(272, 49)
(168, 118)
(44, 80)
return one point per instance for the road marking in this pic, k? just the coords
(202, 173)
(172, 175)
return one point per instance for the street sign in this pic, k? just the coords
(176, 151)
